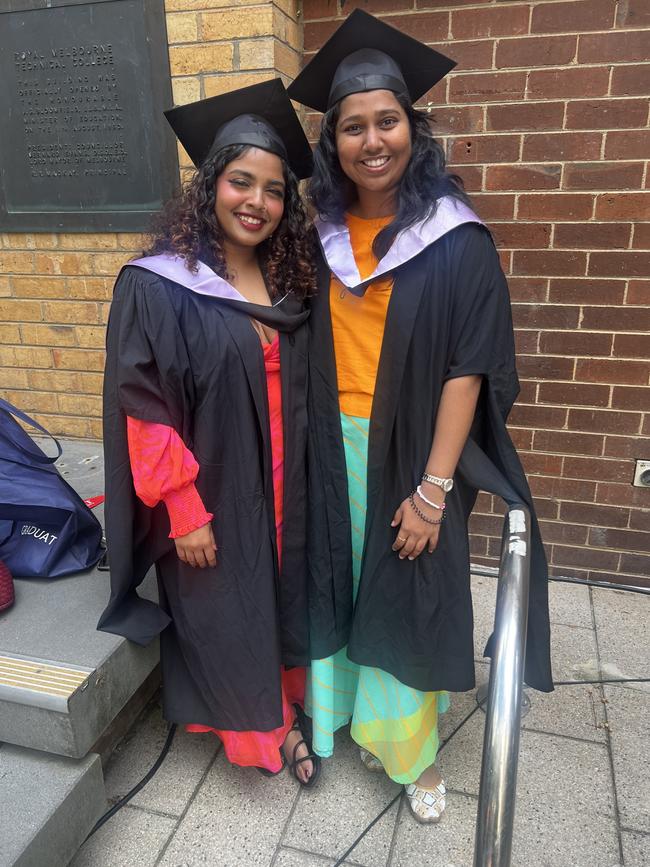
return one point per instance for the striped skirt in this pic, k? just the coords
(392, 721)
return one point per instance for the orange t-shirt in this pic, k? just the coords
(358, 323)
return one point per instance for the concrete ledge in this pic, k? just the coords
(49, 805)
(81, 678)
(62, 683)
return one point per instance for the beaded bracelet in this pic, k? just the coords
(421, 514)
(433, 505)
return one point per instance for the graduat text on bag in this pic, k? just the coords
(38, 533)
(46, 529)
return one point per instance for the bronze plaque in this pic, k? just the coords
(84, 145)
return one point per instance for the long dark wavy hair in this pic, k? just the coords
(188, 227)
(424, 181)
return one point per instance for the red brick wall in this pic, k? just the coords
(546, 119)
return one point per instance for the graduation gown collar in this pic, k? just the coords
(286, 314)
(335, 243)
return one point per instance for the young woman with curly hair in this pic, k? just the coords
(411, 377)
(205, 433)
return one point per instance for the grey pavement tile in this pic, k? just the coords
(565, 806)
(131, 837)
(450, 843)
(569, 604)
(622, 622)
(235, 819)
(628, 712)
(636, 849)
(564, 840)
(462, 703)
(288, 857)
(556, 821)
(572, 647)
(171, 788)
(484, 594)
(574, 711)
(564, 775)
(460, 761)
(327, 820)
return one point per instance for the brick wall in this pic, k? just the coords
(546, 119)
(55, 289)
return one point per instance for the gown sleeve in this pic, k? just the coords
(164, 469)
(482, 342)
(148, 377)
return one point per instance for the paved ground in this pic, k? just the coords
(583, 790)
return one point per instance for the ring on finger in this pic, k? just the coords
(401, 539)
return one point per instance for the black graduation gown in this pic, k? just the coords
(449, 316)
(195, 363)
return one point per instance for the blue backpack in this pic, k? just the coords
(46, 529)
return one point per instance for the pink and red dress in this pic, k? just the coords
(164, 469)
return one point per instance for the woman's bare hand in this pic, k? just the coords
(414, 534)
(198, 548)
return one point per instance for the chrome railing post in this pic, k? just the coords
(496, 806)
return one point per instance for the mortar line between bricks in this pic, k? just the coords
(559, 622)
(358, 863)
(286, 825)
(190, 801)
(608, 737)
(633, 687)
(407, 13)
(539, 100)
(302, 852)
(528, 132)
(393, 842)
(321, 856)
(600, 743)
(635, 831)
(470, 795)
(152, 811)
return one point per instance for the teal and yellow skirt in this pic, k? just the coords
(392, 721)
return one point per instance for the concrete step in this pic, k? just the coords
(49, 805)
(62, 683)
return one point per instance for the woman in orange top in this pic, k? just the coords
(411, 354)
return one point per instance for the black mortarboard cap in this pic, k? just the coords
(260, 115)
(367, 54)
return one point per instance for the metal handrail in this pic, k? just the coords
(496, 803)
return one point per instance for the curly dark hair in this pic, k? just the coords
(188, 227)
(424, 181)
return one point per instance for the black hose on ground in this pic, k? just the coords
(143, 782)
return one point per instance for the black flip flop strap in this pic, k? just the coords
(310, 757)
(296, 747)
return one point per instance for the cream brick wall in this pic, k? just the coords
(55, 289)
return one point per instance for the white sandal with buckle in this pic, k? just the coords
(371, 762)
(427, 805)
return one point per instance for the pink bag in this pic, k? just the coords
(6, 587)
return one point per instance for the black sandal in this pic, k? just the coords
(310, 757)
(303, 725)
